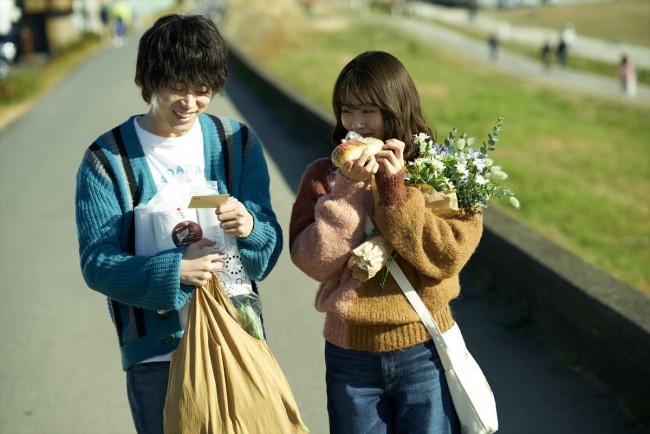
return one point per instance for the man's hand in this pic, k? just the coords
(235, 218)
(197, 265)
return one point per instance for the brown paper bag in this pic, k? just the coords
(224, 381)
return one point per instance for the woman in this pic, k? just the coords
(383, 372)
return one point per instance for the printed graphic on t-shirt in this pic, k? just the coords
(171, 172)
(170, 157)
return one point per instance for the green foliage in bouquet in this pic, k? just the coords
(457, 167)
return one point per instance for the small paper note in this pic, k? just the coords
(210, 201)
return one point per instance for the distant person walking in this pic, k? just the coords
(493, 44)
(627, 76)
(122, 15)
(569, 34)
(562, 52)
(105, 18)
(546, 56)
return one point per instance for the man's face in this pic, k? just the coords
(175, 108)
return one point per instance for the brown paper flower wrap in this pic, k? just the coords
(443, 204)
(369, 257)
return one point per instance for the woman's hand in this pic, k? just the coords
(235, 218)
(391, 158)
(197, 265)
(361, 169)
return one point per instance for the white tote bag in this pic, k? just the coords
(470, 391)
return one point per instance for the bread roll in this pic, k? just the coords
(351, 149)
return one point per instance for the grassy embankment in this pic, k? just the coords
(579, 164)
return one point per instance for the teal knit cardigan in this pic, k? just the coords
(113, 178)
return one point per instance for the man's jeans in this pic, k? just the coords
(146, 385)
(393, 392)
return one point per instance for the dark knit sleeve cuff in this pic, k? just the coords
(392, 189)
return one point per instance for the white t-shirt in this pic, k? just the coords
(169, 157)
(174, 156)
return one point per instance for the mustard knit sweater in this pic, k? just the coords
(327, 223)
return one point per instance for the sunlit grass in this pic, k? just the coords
(623, 21)
(580, 165)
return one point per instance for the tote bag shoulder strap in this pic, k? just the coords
(421, 310)
(416, 302)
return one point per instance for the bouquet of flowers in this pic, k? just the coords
(457, 173)
(454, 178)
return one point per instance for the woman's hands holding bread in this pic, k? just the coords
(362, 168)
(358, 160)
(391, 157)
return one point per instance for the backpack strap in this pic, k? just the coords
(228, 158)
(227, 162)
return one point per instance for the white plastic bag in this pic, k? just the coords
(166, 221)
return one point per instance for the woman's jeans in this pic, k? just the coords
(396, 392)
(146, 385)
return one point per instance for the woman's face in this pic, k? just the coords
(175, 108)
(363, 119)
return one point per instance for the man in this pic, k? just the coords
(181, 65)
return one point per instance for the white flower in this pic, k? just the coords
(480, 180)
(460, 144)
(501, 175)
(488, 162)
(421, 137)
(438, 165)
(461, 168)
(480, 165)
(514, 202)
(495, 169)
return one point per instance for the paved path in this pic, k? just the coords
(522, 66)
(60, 365)
(584, 46)
(60, 368)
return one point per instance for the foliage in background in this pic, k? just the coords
(32, 77)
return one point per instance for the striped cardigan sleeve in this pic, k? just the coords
(104, 215)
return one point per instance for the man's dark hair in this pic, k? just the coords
(186, 49)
